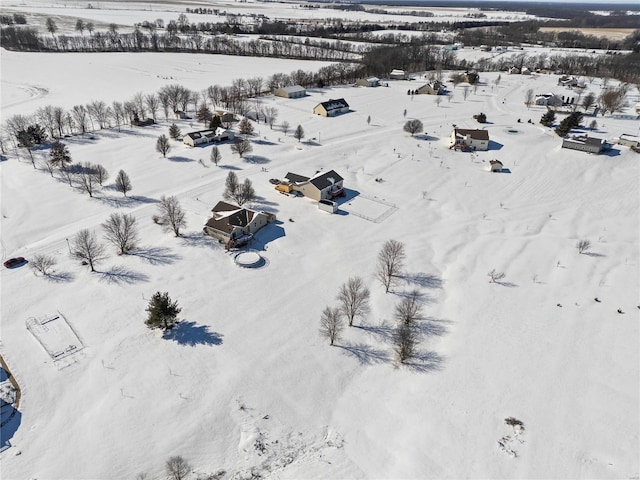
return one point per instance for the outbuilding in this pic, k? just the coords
(368, 82)
(495, 165)
(397, 74)
(292, 91)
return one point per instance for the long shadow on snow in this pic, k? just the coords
(430, 326)
(11, 419)
(188, 333)
(156, 255)
(425, 362)
(422, 280)
(261, 203)
(384, 331)
(267, 234)
(60, 277)
(365, 354)
(198, 239)
(120, 275)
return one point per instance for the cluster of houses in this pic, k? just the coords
(235, 226)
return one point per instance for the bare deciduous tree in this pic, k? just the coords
(405, 342)
(271, 115)
(495, 276)
(353, 299)
(528, 97)
(413, 127)
(216, 156)
(177, 468)
(583, 245)
(42, 263)
(241, 146)
(48, 165)
(68, 176)
(390, 263)
(87, 179)
(87, 248)
(122, 182)
(162, 145)
(120, 229)
(171, 214)
(330, 325)
(409, 310)
(240, 193)
(100, 173)
(285, 127)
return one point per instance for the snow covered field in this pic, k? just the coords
(244, 383)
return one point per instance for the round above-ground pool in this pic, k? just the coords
(249, 259)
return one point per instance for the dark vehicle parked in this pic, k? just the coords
(14, 262)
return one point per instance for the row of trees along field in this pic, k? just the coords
(55, 122)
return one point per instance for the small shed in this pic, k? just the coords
(629, 140)
(368, 82)
(331, 108)
(292, 91)
(397, 74)
(495, 165)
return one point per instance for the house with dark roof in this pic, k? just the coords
(235, 225)
(584, 143)
(331, 108)
(469, 139)
(323, 186)
(207, 136)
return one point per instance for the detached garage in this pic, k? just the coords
(293, 91)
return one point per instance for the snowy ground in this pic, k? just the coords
(245, 383)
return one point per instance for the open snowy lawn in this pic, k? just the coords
(245, 383)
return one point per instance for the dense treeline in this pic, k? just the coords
(27, 39)
(529, 33)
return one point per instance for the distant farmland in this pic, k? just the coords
(611, 33)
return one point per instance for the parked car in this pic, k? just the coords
(14, 262)
(274, 181)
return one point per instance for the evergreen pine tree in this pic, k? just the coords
(245, 127)
(163, 312)
(548, 118)
(59, 154)
(174, 131)
(216, 122)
